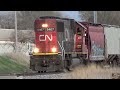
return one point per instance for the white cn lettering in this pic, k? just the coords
(45, 37)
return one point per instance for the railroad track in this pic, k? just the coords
(36, 73)
(50, 72)
(31, 74)
(44, 73)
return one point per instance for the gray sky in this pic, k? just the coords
(5, 12)
(71, 14)
(68, 14)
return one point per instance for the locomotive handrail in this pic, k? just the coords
(62, 48)
(59, 45)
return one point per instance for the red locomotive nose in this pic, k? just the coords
(46, 35)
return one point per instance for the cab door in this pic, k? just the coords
(78, 38)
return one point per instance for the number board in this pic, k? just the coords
(46, 29)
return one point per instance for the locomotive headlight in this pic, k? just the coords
(54, 49)
(36, 50)
(78, 46)
(44, 25)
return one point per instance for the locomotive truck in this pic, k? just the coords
(58, 40)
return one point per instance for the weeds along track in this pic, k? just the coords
(36, 73)
(79, 72)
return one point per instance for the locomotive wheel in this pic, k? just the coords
(81, 61)
(32, 67)
(114, 63)
(64, 70)
(58, 70)
(85, 62)
(69, 63)
(38, 71)
(41, 71)
(44, 71)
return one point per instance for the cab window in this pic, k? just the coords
(60, 26)
(78, 31)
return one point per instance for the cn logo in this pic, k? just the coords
(44, 37)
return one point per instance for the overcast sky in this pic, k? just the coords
(68, 14)
(71, 14)
(5, 12)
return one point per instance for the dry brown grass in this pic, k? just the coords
(19, 58)
(92, 72)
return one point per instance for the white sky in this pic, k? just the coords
(68, 14)
(71, 14)
(5, 12)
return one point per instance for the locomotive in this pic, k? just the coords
(58, 40)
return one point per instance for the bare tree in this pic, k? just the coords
(25, 19)
(23, 36)
(104, 17)
(6, 21)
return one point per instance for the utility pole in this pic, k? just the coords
(95, 16)
(16, 31)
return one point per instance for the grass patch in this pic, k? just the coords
(7, 66)
(18, 58)
(92, 71)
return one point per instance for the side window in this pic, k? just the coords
(67, 34)
(78, 31)
(60, 27)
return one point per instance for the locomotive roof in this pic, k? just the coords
(91, 23)
(81, 25)
(53, 17)
(49, 17)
